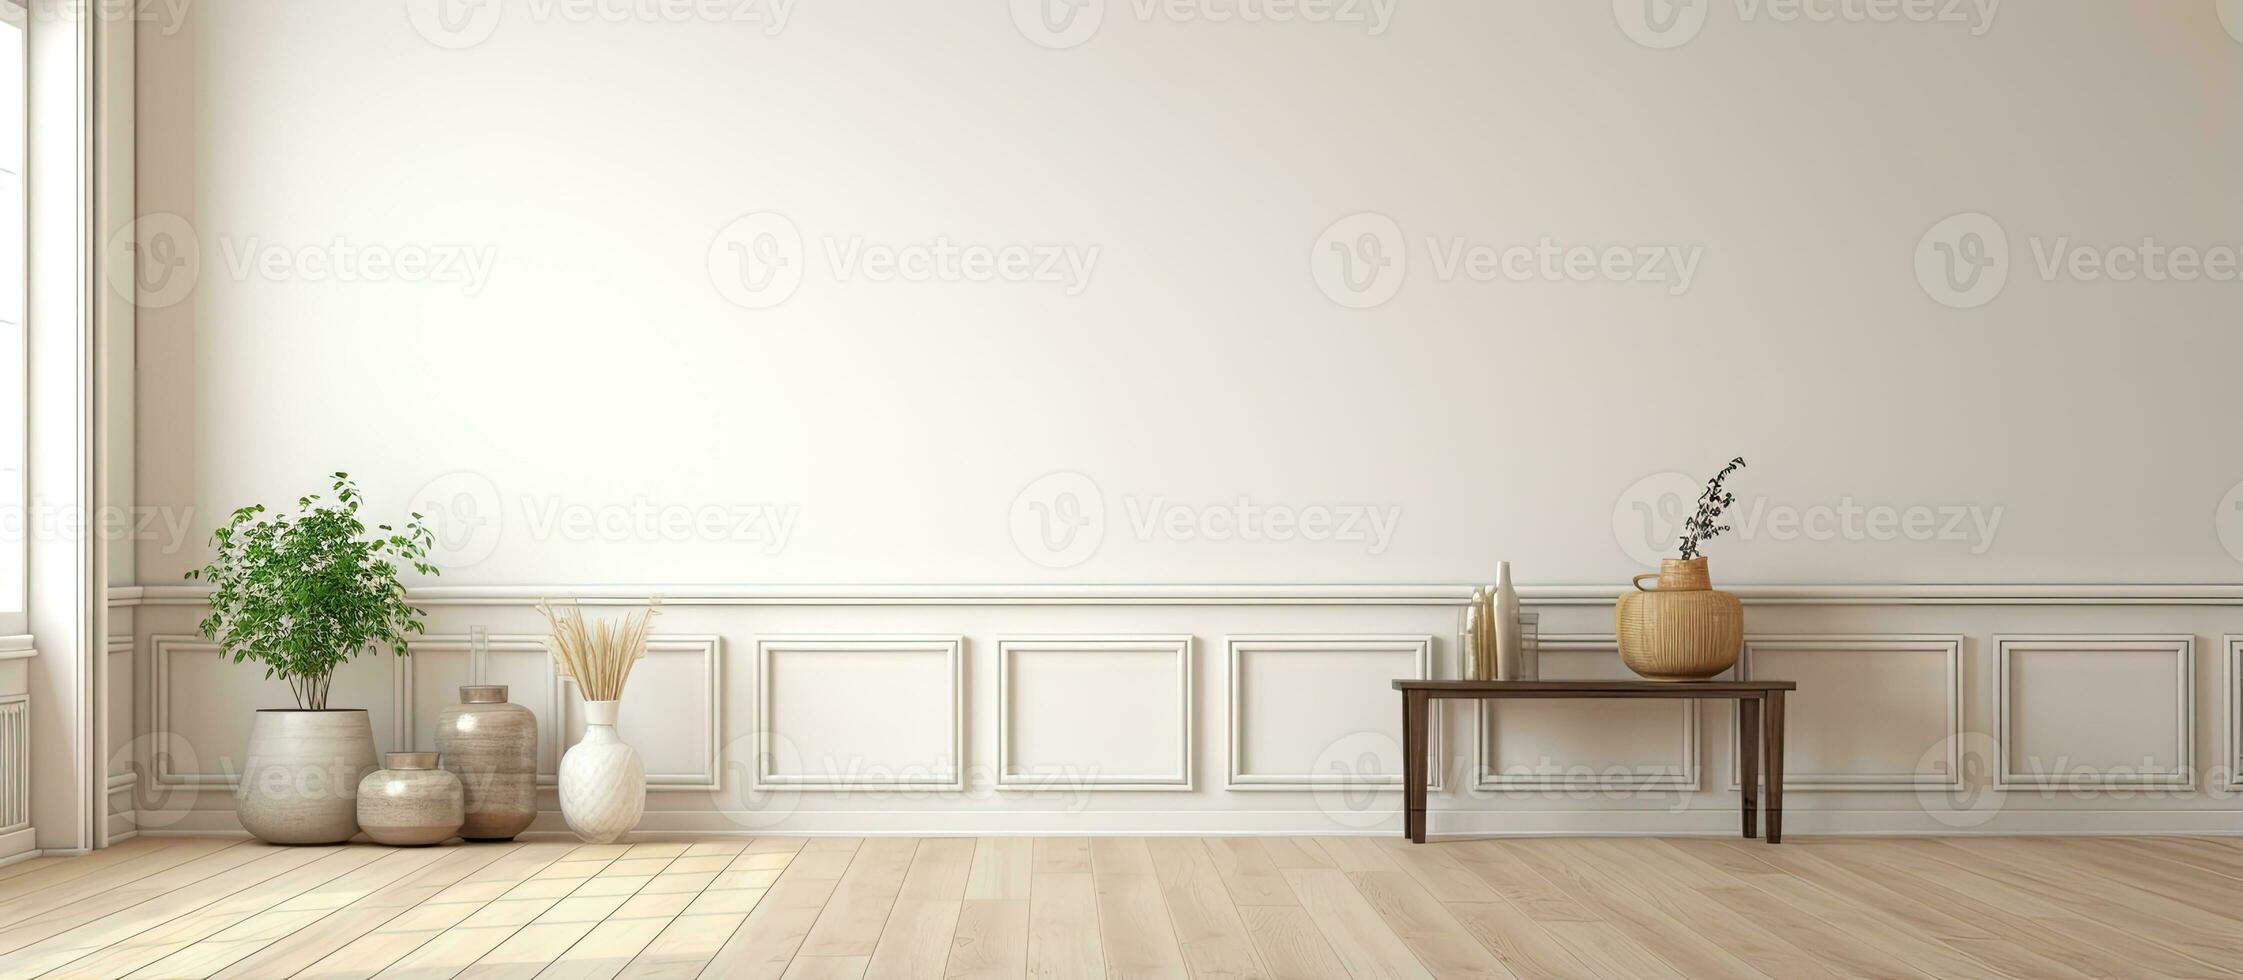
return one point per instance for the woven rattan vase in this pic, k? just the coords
(1683, 630)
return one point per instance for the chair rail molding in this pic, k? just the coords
(1968, 594)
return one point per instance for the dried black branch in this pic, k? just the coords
(1702, 525)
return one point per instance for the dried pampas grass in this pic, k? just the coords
(597, 656)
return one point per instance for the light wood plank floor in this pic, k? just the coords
(1162, 907)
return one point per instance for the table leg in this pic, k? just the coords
(1415, 705)
(1748, 761)
(1772, 721)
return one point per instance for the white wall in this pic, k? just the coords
(609, 366)
(594, 163)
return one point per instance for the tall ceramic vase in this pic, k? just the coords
(300, 782)
(603, 785)
(1683, 630)
(491, 746)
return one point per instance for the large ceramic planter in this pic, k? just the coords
(409, 802)
(300, 784)
(603, 784)
(1683, 630)
(491, 746)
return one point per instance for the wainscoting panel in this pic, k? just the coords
(443, 663)
(205, 704)
(672, 713)
(1872, 712)
(856, 711)
(1615, 744)
(2231, 707)
(1352, 736)
(2095, 710)
(1109, 711)
(1104, 709)
(118, 747)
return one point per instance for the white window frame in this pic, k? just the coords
(15, 545)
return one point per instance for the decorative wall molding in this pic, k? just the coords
(161, 648)
(1980, 594)
(1950, 646)
(411, 713)
(1687, 777)
(1419, 648)
(119, 645)
(2183, 649)
(927, 712)
(710, 650)
(1177, 648)
(951, 648)
(2231, 700)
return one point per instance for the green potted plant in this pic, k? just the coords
(303, 594)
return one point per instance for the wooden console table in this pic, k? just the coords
(1759, 715)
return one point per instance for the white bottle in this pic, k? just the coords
(1511, 661)
(1475, 634)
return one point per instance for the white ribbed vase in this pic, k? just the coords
(603, 785)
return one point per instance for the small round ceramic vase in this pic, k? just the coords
(409, 802)
(491, 746)
(300, 782)
(603, 784)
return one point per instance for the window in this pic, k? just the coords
(17, 527)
